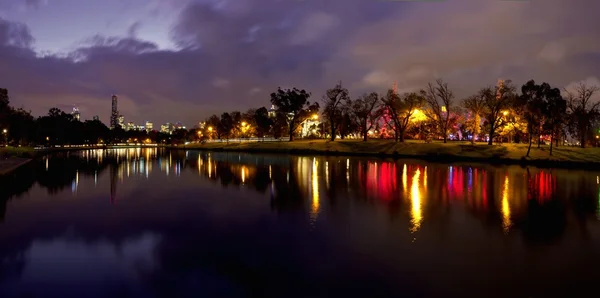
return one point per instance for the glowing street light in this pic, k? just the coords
(244, 123)
(5, 132)
(315, 117)
(505, 113)
(210, 129)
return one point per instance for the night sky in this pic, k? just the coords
(182, 60)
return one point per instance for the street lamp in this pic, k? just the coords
(315, 117)
(5, 132)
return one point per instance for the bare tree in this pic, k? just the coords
(365, 113)
(401, 109)
(439, 98)
(333, 99)
(475, 106)
(497, 100)
(582, 111)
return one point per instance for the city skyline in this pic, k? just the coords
(149, 52)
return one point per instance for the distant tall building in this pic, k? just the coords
(166, 128)
(149, 126)
(130, 126)
(96, 118)
(121, 121)
(114, 116)
(76, 114)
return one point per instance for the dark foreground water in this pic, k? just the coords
(148, 223)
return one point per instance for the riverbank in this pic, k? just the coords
(563, 156)
(12, 163)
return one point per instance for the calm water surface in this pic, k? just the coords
(151, 223)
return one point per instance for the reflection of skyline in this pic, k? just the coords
(417, 189)
(348, 212)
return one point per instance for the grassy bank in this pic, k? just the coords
(454, 151)
(27, 152)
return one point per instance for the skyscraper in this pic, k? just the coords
(149, 126)
(114, 116)
(76, 114)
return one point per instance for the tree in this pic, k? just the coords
(556, 108)
(439, 98)
(475, 106)
(225, 125)
(532, 98)
(212, 125)
(365, 113)
(582, 111)
(292, 103)
(236, 121)
(544, 110)
(401, 109)
(497, 100)
(333, 99)
(262, 121)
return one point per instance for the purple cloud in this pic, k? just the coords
(232, 54)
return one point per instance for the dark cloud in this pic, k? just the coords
(232, 54)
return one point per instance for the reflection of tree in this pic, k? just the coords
(15, 185)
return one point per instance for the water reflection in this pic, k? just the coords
(357, 206)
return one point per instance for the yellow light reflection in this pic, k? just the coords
(270, 173)
(243, 175)
(315, 191)
(404, 177)
(506, 223)
(425, 177)
(415, 197)
(327, 174)
(199, 165)
(209, 167)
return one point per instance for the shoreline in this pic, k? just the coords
(452, 152)
(11, 164)
(438, 156)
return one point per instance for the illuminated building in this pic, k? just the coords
(272, 112)
(114, 116)
(130, 126)
(76, 114)
(121, 121)
(149, 126)
(310, 125)
(165, 128)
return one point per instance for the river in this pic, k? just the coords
(159, 223)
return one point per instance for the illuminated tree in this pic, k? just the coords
(439, 98)
(544, 110)
(475, 106)
(400, 110)
(293, 104)
(497, 100)
(334, 99)
(365, 113)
